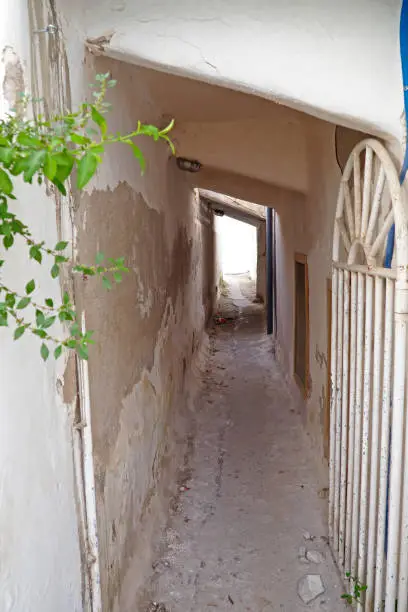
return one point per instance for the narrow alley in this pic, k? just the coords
(247, 531)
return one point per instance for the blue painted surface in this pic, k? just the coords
(389, 251)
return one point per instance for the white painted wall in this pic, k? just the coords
(237, 244)
(307, 54)
(39, 542)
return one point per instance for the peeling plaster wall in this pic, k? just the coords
(40, 567)
(149, 334)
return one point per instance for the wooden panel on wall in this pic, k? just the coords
(301, 349)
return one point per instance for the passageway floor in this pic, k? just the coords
(250, 512)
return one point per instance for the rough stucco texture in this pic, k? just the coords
(149, 330)
(308, 229)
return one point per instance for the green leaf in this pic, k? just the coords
(28, 141)
(60, 246)
(35, 253)
(49, 302)
(55, 271)
(65, 316)
(50, 167)
(59, 186)
(150, 130)
(171, 145)
(8, 241)
(61, 259)
(3, 319)
(65, 163)
(6, 155)
(138, 154)
(99, 258)
(78, 139)
(39, 318)
(19, 332)
(75, 331)
(99, 148)
(40, 333)
(44, 351)
(19, 166)
(34, 163)
(65, 299)
(58, 352)
(106, 283)
(17, 227)
(48, 322)
(83, 352)
(6, 185)
(23, 303)
(118, 277)
(168, 128)
(30, 286)
(99, 120)
(86, 169)
(11, 300)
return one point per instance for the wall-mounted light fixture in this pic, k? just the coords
(188, 165)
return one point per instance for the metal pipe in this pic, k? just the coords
(92, 560)
(333, 403)
(274, 267)
(380, 272)
(358, 424)
(398, 410)
(365, 441)
(352, 405)
(339, 381)
(385, 444)
(375, 438)
(269, 272)
(344, 416)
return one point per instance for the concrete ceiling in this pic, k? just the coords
(335, 60)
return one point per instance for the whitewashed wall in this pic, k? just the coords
(39, 542)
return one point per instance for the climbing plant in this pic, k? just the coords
(37, 150)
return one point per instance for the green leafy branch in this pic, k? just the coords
(358, 590)
(40, 149)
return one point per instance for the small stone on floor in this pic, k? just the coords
(310, 587)
(315, 556)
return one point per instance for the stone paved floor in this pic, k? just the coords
(249, 513)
